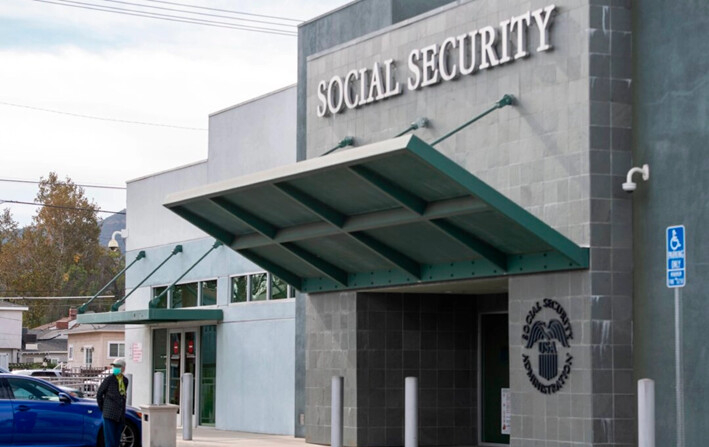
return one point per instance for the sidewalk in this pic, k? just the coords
(211, 437)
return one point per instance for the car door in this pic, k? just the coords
(40, 418)
(5, 414)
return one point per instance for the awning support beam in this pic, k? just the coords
(83, 307)
(399, 260)
(322, 210)
(410, 201)
(153, 303)
(479, 246)
(337, 220)
(219, 233)
(363, 222)
(117, 304)
(246, 217)
(324, 267)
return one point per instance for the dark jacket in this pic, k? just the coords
(109, 399)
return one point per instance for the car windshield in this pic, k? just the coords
(24, 389)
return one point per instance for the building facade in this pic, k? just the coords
(459, 213)
(10, 333)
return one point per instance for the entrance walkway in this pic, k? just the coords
(211, 437)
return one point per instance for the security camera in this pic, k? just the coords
(629, 186)
(113, 245)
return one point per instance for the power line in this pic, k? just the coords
(12, 180)
(226, 10)
(79, 115)
(61, 207)
(196, 20)
(168, 18)
(162, 8)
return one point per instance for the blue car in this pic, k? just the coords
(35, 412)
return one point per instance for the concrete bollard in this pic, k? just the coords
(411, 412)
(646, 413)
(158, 387)
(336, 419)
(186, 405)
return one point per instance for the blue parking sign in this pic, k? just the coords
(676, 256)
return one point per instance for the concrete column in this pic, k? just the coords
(158, 387)
(646, 413)
(411, 412)
(336, 419)
(186, 405)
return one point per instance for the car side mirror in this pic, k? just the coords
(64, 398)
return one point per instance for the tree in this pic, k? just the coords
(58, 254)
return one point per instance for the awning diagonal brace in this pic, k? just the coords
(83, 307)
(153, 303)
(117, 304)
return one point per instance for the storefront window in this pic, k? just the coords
(239, 291)
(184, 295)
(259, 287)
(279, 289)
(209, 292)
(162, 303)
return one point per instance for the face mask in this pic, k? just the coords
(116, 371)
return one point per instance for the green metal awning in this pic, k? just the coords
(391, 213)
(151, 316)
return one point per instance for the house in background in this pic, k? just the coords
(10, 332)
(94, 345)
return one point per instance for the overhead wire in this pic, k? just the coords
(199, 13)
(225, 10)
(93, 117)
(76, 208)
(167, 17)
(84, 185)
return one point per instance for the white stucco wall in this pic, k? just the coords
(255, 356)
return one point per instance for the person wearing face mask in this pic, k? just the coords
(111, 399)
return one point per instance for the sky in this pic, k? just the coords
(114, 66)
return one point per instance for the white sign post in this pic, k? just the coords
(676, 279)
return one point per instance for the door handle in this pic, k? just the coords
(23, 408)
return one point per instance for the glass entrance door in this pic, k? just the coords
(183, 358)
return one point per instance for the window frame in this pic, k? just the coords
(118, 350)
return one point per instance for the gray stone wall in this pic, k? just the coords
(611, 278)
(331, 350)
(536, 153)
(561, 152)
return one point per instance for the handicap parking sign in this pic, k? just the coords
(676, 265)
